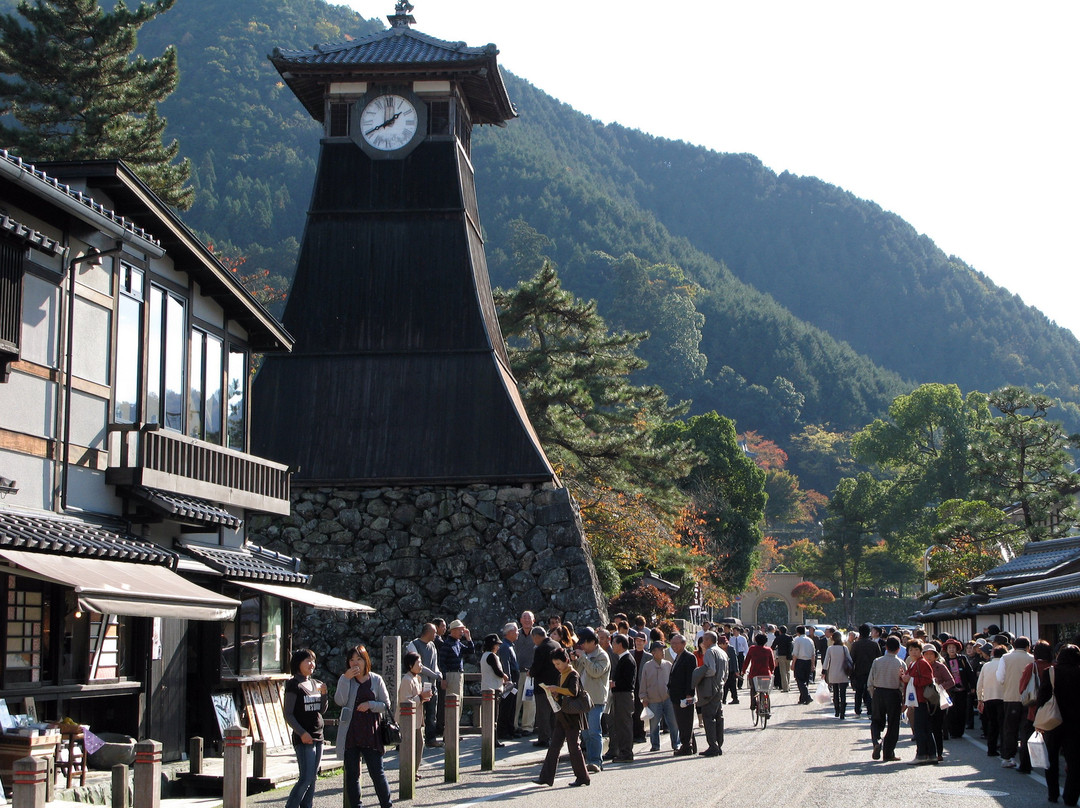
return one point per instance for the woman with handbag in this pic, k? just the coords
(920, 675)
(363, 698)
(305, 703)
(569, 722)
(943, 680)
(411, 688)
(492, 675)
(837, 669)
(1062, 685)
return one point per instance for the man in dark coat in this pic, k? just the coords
(623, 686)
(543, 673)
(681, 688)
(863, 653)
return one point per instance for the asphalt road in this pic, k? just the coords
(804, 758)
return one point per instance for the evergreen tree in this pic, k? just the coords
(597, 427)
(76, 92)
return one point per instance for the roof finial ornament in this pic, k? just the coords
(402, 18)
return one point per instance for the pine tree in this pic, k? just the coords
(70, 81)
(597, 427)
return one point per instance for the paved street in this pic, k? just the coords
(805, 758)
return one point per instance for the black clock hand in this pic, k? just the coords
(383, 124)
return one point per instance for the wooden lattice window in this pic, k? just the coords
(11, 276)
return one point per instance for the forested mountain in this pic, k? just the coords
(777, 300)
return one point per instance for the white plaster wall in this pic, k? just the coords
(27, 405)
(33, 476)
(39, 332)
(91, 339)
(206, 309)
(87, 490)
(89, 416)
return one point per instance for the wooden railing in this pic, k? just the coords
(160, 458)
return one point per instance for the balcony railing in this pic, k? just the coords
(159, 458)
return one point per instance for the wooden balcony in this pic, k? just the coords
(159, 458)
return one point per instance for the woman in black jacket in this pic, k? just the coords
(568, 726)
(963, 683)
(1063, 683)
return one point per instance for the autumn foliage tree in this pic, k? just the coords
(644, 599)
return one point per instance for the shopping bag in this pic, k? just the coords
(910, 699)
(646, 714)
(945, 700)
(528, 695)
(1037, 751)
(822, 694)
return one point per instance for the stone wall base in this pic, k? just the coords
(479, 553)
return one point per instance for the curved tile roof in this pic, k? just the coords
(396, 46)
(73, 537)
(250, 562)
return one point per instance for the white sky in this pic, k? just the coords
(960, 116)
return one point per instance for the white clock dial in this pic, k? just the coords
(388, 122)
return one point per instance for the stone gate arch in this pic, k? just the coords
(778, 586)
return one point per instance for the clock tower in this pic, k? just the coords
(397, 407)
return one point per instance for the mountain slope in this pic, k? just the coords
(866, 302)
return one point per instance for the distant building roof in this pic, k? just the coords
(1037, 560)
(944, 608)
(400, 54)
(1062, 589)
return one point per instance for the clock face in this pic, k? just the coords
(389, 122)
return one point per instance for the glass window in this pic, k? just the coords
(153, 356)
(195, 392)
(228, 647)
(271, 635)
(175, 342)
(212, 390)
(128, 345)
(237, 399)
(24, 644)
(250, 635)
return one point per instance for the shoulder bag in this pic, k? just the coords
(579, 704)
(1048, 716)
(391, 732)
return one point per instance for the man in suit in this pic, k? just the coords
(863, 653)
(544, 673)
(709, 681)
(782, 648)
(623, 685)
(681, 689)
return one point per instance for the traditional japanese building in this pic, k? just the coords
(419, 479)
(133, 595)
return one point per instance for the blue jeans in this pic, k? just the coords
(308, 756)
(374, 763)
(594, 744)
(666, 710)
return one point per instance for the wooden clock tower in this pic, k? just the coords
(400, 373)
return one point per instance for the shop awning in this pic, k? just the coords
(309, 597)
(117, 587)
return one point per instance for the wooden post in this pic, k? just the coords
(451, 736)
(120, 786)
(195, 755)
(234, 789)
(407, 752)
(258, 759)
(147, 774)
(28, 776)
(487, 730)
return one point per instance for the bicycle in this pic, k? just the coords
(762, 705)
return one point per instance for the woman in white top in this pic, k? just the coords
(835, 669)
(492, 675)
(411, 688)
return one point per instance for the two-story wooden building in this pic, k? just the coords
(126, 347)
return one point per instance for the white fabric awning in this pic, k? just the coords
(308, 597)
(117, 587)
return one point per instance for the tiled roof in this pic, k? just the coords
(31, 236)
(396, 46)
(35, 175)
(1037, 560)
(1063, 589)
(944, 608)
(72, 537)
(250, 562)
(187, 508)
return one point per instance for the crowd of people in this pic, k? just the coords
(634, 683)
